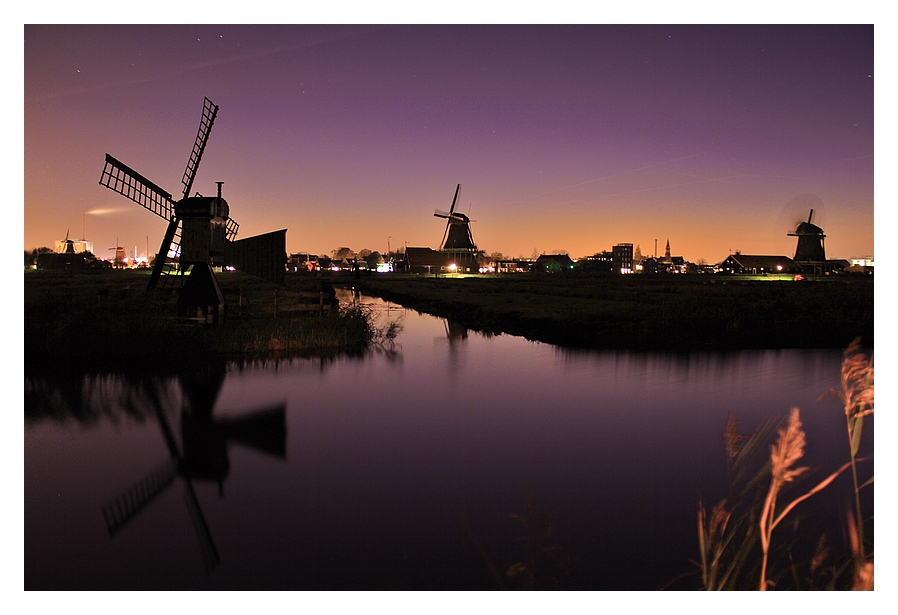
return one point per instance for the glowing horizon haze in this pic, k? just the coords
(563, 138)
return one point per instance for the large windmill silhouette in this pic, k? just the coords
(197, 226)
(458, 227)
(458, 243)
(200, 229)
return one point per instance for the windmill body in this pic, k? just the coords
(810, 252)
(204, 229)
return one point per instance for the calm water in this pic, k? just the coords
(400, 469)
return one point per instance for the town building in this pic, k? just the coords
(758, 264)
(553, 263)
(622, 258)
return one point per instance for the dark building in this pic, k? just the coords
(300, 261)
(622, 258)
(550, 263)
(758, 265)
(427, 261)
(263, 256)
(600, 262)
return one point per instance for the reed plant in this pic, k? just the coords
(736, 537)
(856, 396)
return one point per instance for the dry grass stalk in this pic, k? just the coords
(863, 570)
(856, 396)
(857, 382)
(732, 437)
(788, 449)
(722, 561)
(713, 542)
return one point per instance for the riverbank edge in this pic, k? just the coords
(820, 320)
(105, 322)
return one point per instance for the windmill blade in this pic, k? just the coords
(445, 234)
(162, 256)
(209, 112)
(231, 229)
(455, 199)
(207, 544)
(439, 213)
(121, 178)
(126, 506)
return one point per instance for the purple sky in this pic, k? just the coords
(570, 138)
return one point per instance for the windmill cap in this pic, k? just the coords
(806, 228)
(202, 207)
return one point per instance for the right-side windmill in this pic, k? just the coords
(810, 252)
(458, 243)
(458, 227)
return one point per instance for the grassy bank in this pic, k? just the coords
(105, 321)
(676, 313)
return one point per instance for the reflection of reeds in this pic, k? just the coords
(541, 562)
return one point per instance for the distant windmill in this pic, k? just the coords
(810, 247)
(803, 216)
(69, 244)
(457, 235)
(119, 251)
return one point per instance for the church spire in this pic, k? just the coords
(667, 251)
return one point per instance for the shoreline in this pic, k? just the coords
(673, 313)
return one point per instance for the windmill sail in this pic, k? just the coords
(207, 544)
(126, 506)
(164, 267)
(119, 177)
(202, 136)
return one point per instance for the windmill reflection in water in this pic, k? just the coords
(202, 455)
